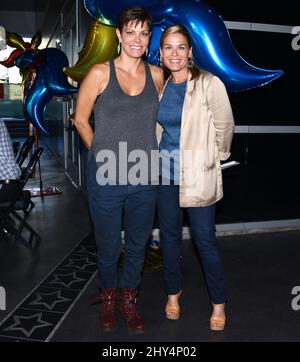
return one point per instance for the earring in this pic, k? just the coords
(119, 47)
(161, 61)
(146, 52)
(191, 63)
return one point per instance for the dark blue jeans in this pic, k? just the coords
(202, 221)
(107, 204)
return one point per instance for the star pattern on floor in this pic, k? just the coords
(27, 325)
(79, 263)
(45, 299)
(49, 303)
(83, 249)
(66, 280)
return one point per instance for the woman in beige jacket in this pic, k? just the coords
(194, 133)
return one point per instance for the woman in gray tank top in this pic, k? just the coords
(123, 93)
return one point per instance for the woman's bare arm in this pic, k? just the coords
(93, 84)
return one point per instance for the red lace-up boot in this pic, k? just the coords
(129, 312)
(108, 321)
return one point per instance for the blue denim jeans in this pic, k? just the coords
(202, 222)
(107, 204)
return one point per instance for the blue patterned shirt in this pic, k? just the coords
(169, 116)
(8, 167)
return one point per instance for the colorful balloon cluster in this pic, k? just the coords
(14, 40)
(108, 11)
(49, 81)
(212, 47)
(212, 50)
(42, 73)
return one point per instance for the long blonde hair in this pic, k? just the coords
(174, 29)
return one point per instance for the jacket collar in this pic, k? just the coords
(190, 85)
(189, 88)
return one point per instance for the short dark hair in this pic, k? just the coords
(136, 14)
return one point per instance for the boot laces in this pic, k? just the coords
(130, 307)
(109, 302)
(109, 305)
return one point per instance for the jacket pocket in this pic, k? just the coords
(210, 156)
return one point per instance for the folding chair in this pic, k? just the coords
(24, 150)
(16, 147)
(20, 201)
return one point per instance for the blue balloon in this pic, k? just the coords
(108, 12)
(212, 47)
(50, 81)
(153, 56)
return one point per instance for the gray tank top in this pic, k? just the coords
(130, 120)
